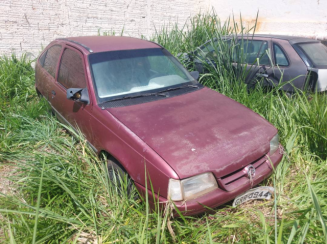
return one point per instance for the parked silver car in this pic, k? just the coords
(273, 58)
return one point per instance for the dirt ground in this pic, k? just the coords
(6, 170)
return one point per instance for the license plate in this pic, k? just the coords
(261, 192)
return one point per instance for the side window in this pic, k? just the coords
(51, 57)
(208, 49)
(71, 71)
(280, 57)
(161, 65)
(251, 50)
(263, 54)
(42, 58)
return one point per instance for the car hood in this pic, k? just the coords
(202, 131)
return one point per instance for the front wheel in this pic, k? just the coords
(120, 178)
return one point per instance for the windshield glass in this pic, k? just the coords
(207, 48)
(316, 52)
(211, 48)
(118, 73)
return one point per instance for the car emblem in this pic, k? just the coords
(250, 171)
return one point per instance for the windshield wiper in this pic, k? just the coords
(179, 87)
(135, 96)
(159, 93)
(145, 95)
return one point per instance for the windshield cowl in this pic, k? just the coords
(162, 93)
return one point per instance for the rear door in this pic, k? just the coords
(46, 70)
(288, 66)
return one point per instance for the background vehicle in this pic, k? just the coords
(135, 103)
(270, 59)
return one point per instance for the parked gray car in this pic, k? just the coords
(269, 58)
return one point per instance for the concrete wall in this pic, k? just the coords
(290, 17)
(27, 25)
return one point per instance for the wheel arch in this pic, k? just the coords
(104, 154)
(311, 80)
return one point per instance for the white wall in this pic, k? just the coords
(290, 17)
(27, 25)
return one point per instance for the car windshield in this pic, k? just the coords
(316, 52)
(210, 49)
(118, 73)
(207, 48)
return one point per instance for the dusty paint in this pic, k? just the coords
(173, 127)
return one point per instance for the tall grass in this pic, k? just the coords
(62, 189)
(16, 76)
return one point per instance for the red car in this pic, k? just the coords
(137, 104)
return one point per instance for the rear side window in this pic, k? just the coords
(316, 52)
(50, 58)
(42, 58)
(71, 71)
(280, 57)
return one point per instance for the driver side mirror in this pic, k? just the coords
(195, 75)
(78, 94)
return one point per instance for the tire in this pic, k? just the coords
(38, 93)
(120, 178)
(253, 83)
(289, 94)
(199, 67)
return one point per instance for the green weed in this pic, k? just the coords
(62, 189)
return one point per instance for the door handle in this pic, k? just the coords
(53, 94)
(262, 75)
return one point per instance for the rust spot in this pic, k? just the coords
(251, 22)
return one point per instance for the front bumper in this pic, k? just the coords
(219, 196)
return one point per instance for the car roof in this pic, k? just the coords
(95, 44)
(291, 39)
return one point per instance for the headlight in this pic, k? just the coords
(274, 144)
(193, 187)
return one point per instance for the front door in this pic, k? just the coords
(71, 74)
(252, 59)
